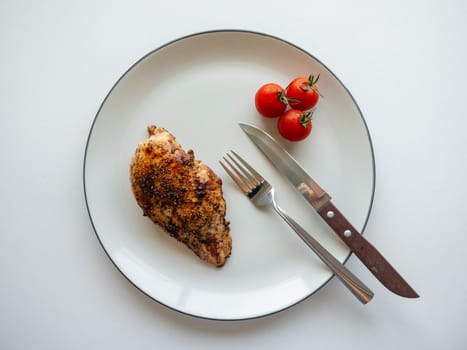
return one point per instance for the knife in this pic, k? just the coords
(320, 200)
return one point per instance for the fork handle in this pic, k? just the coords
(357, 287)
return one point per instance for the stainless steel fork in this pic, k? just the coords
(260, 192)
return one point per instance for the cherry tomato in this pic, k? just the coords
(295, 125)
(270, 100)
(302, 93)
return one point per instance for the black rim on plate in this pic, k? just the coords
(200, 34)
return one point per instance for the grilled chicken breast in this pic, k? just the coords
(182, 195)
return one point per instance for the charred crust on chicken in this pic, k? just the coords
(182, 195)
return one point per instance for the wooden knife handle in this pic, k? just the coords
(344, 229)
(365, 251)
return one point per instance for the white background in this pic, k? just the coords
(405, 64)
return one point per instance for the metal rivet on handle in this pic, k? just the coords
(347, 233)
(330, 214)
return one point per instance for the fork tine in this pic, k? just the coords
(245, 188)
(241, 172)
(257, 176)
(245, 174)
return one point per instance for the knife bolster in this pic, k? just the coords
(317, 198)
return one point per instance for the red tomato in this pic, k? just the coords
(295, 125)
(303, 93)
(270, 100)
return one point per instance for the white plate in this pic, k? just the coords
(199, 87)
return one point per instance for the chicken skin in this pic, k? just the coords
(182, 195)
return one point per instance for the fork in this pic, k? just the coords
(261, 193)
